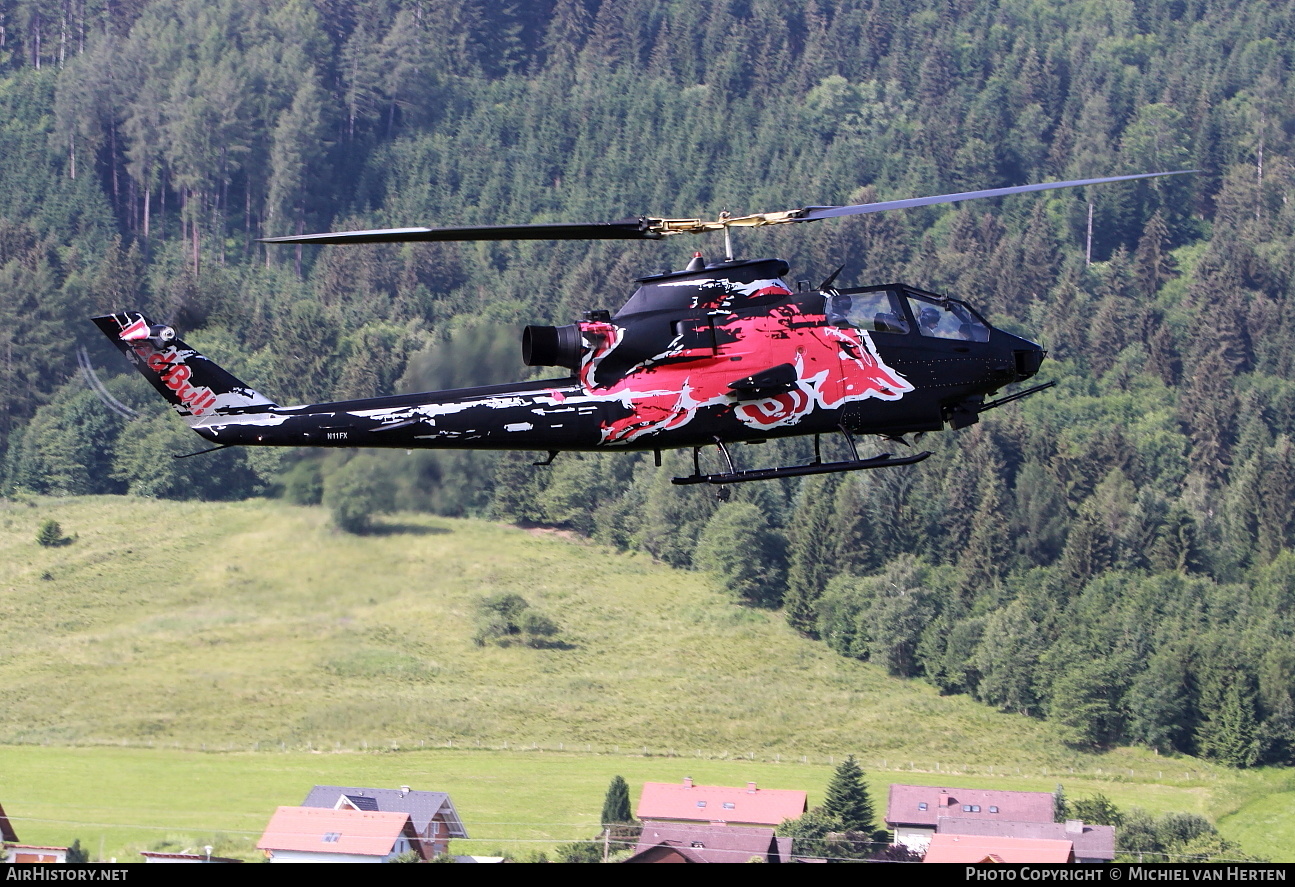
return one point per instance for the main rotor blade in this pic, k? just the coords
(814, 213)
(625, 229)
(652, 228)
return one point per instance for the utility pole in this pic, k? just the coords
(1088, 248)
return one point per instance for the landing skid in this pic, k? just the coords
(734, 476)
(885, 460)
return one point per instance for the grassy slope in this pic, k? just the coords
(229, 626)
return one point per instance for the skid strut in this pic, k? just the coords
(818, 466)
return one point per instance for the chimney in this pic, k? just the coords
(687, 782)
(750, 788)
(404, 789)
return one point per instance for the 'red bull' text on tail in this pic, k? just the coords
(198, 389)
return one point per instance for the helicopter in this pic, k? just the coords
(716, 354)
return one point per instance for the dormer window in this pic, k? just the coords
(993, 809)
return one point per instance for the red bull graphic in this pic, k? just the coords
(833, 366)
(175, 373)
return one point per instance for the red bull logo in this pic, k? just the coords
(175, 374)
(834, 366)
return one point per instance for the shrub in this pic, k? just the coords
(51, 535)
(505, 617)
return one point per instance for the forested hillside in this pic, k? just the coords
(1114, 555)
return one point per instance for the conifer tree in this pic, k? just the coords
(1060, 806)
(812, 552)
(1230, 732)
(848, 800)
(616, 805)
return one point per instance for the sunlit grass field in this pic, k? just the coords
(184, 668)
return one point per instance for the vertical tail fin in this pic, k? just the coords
(197, 388)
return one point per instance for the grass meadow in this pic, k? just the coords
(180, 669)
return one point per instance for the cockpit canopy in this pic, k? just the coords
(899, 310)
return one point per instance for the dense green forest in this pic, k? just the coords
(1116, 555)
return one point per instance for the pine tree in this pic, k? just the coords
(616, 805)
(76, 854)
(50, 534)
(1230, 732)
(812, 552)
(848, 800)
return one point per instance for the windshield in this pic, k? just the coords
(947, 320)
(878, 311)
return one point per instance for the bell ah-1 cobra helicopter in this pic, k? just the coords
(716, 354)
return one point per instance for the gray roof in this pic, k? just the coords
(713, 843)
(422, 807)
(6, 830)
(1090, 841)
(923, 805)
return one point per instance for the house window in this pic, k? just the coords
(729, 805)
(921, 805)
(966, 808)
(701, 803)
(331, 837)
(698, 845)
(993, 809)
(975, 808)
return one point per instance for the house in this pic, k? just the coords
(914, 811)
(680, 842)
(155, 856)
(432, 813)
(686, 802)
(7, 834)
(320, 834)
(972, 849)
(1092, 843)
(32, 853)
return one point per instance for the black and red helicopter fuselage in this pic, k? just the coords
(716, 354)
(711, 355)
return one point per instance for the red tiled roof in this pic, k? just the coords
(1090, 841)
(905, 805)
(981, 848)
(719, 803)
(358, 832)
